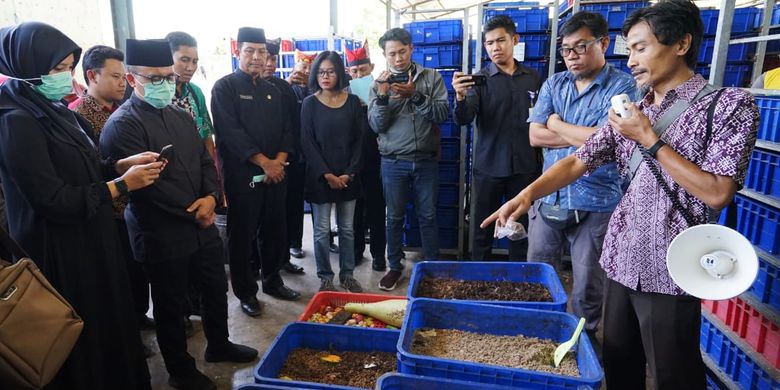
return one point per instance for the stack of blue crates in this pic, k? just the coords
(533, 27)
(758, 219)
(739, 57)
(438, 44)
(615, 14)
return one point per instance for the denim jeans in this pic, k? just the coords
(421, 178)
(345, 214)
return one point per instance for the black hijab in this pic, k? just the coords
(30, 50)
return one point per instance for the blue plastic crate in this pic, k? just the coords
(446, 216)
(536, 46)
(775, 15)
(435, 31)
(492, 271)
(540, 67)
(526, 20)
(321, 337)
(440, 56)
(758, 222)
(737, 75)
(763, 173)
(413, 382)
(448, 195)
(766, 288)
(733, 361)
(449, 129)
(745, 20)
(449, 172)
(505, 321)
(619, 64)
(257, 386)
(448, 237)
(450, 149)
(737, 52)
(446, 74)
(615, 13)
(287, 60)
(769, 125)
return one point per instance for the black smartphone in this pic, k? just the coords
(165, 153)
(479, 79)
(399, 78)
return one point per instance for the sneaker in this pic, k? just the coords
(327, 285)
(352, 285)
(390, 280)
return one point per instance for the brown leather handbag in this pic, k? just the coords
(38, 327)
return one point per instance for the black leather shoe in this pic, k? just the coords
(251, 307)
(297, 253)
(195, 381)
(379, 264)
(282, 292)
(231, 352)
(291, 268)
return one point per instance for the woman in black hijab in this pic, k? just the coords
(58, 193)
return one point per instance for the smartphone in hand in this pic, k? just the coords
(479, 79)
(166, 153)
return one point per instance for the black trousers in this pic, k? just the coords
(139, 285)
(170, 281)
(296, 174)
(659, 330)
(259, 214)
(370, 215)
(489, 194)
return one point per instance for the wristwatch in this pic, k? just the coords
(654, 149)
(121, 186)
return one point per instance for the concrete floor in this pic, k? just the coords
(260, 332)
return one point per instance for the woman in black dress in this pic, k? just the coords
(332, 127)
(58, 193)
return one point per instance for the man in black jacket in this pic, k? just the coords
(171, 223)
(253, 141)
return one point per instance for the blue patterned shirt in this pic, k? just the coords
(601, 190)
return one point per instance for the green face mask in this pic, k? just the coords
(55, 86)
(161, 95)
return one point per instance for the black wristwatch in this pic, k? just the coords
(121, 186)
(654, 149)
(418, 98)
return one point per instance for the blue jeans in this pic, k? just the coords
(421, 178)
(345, 214)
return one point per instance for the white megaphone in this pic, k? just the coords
(712, 262)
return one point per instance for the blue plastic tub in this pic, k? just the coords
(745, 20)
(737, 75)
(736, 52)
(732, 360)
(540, 66)
(446, 74)
(256, 386)
(766, 288)
(536, 46)
(494, 271)
(615, 13)
(450, 149)
(435, 31)
(763, 173)
(496, 320)
(526, 20)
(758, 222)
(619, 64)
(321, 44)
(448, 195)
(414, 382)
(449, 171)
(449, 129)
(769, 110)
(321, 337)
(440, 56)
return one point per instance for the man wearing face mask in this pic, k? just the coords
(171, 224)
(404, 103)
(369, 209)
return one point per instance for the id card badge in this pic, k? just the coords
(256, 179)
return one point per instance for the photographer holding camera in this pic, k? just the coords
(404, 103)
(500, 96)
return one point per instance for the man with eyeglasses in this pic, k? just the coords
(571, 106)
(254, 138)
(171, 224)
(504, 161)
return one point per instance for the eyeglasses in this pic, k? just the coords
(158, 80)
(326, 73)
(579, 49)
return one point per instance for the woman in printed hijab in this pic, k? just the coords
(58, 192)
